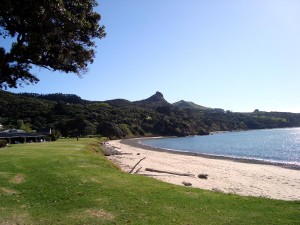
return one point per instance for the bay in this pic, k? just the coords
(270, 145)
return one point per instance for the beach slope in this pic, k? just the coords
(232, 177)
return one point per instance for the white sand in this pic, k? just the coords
(223, 175)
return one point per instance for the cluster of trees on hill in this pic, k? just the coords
(72, 116)
(57, 97)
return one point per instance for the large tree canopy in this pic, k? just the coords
(53, 34)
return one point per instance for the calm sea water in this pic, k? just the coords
(272, 145)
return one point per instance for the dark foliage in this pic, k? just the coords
(57, 35)
(71, 116)
(3, 143)
(57, 97)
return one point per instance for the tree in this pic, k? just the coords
(23, 126)
(54, 34)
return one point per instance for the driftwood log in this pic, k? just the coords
(169, 172)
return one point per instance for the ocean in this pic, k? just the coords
(269, 145)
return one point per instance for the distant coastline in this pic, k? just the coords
(135, 142)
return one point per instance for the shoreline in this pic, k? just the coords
(245, 178)
(135, 143)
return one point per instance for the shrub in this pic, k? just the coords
(125, 130)
(3, 143)
(55, 135)
(111, 130)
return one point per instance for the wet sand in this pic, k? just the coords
(242, 177)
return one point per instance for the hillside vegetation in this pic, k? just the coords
(69, 182)
(72, 116)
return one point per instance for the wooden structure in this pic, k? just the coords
(14, 136)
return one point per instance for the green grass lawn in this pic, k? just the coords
(68, 182)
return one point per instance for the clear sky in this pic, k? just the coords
(230, 54)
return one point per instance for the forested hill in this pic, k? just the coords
(118, 118)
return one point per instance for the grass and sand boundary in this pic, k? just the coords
(70, 182)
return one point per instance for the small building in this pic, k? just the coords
(15, 136)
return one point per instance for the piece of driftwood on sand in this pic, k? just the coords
(169, 172)
(138, 170)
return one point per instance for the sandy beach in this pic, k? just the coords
(247, 179)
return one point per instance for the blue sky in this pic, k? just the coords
(236, 55)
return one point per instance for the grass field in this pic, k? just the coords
(68, 182)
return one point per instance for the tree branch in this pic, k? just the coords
(137, 164)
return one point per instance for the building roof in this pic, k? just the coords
(14, 133)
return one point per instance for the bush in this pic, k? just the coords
(111, 130)
(125, 130)
(3, 143)
(55, 135)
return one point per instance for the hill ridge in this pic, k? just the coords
(189, 104)
(121, 118)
